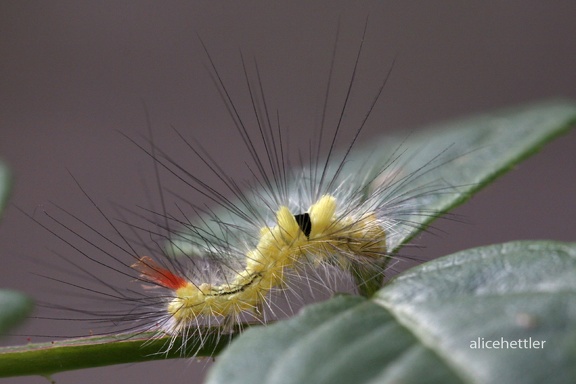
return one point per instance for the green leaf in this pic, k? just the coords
(451, 162)
(5, 186)
(422, 326)
(87, 352)
(473, 152)
(459, 158)
(14, 307)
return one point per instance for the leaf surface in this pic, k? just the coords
(432, 324)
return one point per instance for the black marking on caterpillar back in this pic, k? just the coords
(304, 223)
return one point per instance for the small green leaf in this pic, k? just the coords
(422, 327)
(5, 186)
(14, 307)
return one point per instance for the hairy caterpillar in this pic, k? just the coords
(222, 264)
(441, 72)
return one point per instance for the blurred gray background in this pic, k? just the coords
(74, 73)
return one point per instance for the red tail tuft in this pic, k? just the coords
(151, 271)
